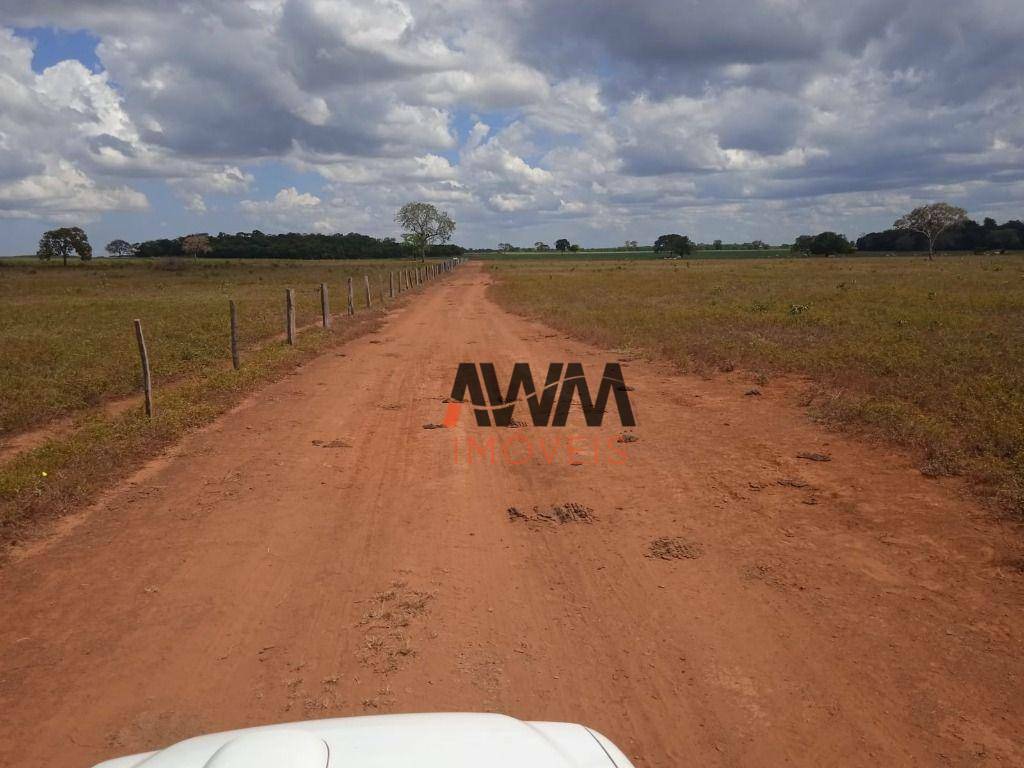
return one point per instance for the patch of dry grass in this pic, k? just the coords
(67, 345)
(67, 337)
(928, 354)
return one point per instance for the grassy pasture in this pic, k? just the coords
(928, 354)
(67, 337)
(67, 345)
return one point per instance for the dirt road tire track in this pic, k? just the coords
(253, 575)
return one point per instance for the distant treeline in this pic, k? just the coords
(635, 247)
(970, 236)
(257, 245)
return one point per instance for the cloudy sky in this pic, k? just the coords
(527, 119)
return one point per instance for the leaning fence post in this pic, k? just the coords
(325, 305)
(366, 280)
(234, 335)
(289, 306)
(351, 299)
(147, 380)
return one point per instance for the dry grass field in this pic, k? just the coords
(928, 354)
(67, 332)
(69, 351)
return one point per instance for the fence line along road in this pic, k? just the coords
(410, 278)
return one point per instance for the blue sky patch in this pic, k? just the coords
(53, 45)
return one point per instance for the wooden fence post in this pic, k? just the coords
(147, 380)
(366, 279)
(325, 305)
(234, 336)
(391, 284)
(289, 305)
(351, 299)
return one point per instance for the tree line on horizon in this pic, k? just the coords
(966, 236)
(937, 226)
(64, 242)
(427, 229)
(291, 245)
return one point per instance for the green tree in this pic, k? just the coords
(718, 245)
(822, 244)
(561, 244)
(61, 242)
(541, 246)
(424, 224)
(931, 221)
(680, 245)
(120, 248)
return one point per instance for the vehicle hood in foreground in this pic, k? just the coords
(392, 741)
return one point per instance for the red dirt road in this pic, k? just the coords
(317, 553)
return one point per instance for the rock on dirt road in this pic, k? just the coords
(317, 552)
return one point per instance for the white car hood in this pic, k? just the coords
(392, 741)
